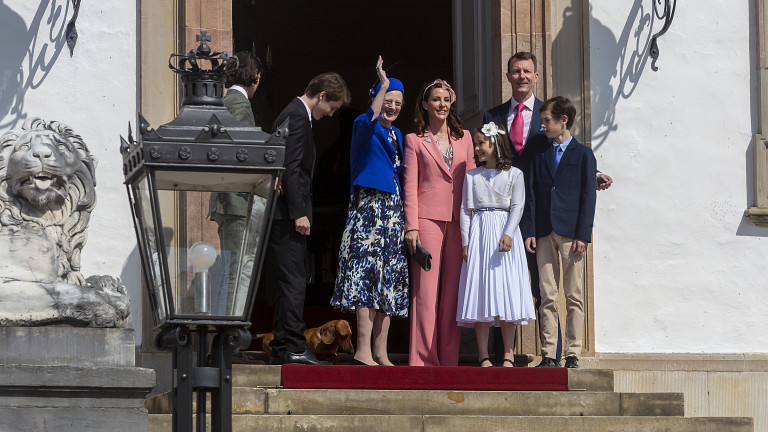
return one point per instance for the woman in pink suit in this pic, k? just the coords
(434, 163)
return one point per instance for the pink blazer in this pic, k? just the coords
(432, 191)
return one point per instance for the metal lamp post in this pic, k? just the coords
(200, 282)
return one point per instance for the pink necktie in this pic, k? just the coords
(516, 130)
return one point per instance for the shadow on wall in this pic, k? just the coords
(28, 54)
(131, 278)
(616, 73)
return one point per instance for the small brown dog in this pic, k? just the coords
(324, 342)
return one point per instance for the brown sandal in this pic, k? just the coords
(510, 361)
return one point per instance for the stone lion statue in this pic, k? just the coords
(47, 194)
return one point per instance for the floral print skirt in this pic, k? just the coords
(373, 269)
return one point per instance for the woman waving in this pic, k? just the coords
(372, 278)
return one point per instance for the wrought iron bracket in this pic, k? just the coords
(666, 14)
(71, 32)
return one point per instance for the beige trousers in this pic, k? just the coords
(551, 251)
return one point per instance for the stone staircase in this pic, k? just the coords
(590, 404)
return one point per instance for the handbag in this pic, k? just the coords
(422, 257)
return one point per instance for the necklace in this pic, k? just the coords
(443, 139)
(447, 153)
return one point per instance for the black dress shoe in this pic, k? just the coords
(572, 362)
(305, 357)
(548, 362)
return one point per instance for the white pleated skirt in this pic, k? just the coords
(494, 285)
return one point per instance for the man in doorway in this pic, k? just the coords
(324, 95)
(229, 210)
(520, 115)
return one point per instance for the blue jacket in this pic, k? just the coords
(372, 157)
(562, 201)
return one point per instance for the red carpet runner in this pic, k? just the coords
(424, 378)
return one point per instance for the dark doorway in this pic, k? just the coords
(299, 39)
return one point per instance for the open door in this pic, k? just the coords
(472, 54)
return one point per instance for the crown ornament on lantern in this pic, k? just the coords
(189, 62)
(202, 86)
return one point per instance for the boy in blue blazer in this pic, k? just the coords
(559, 214)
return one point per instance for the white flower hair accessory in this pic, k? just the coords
(490, 129)
(492, 132)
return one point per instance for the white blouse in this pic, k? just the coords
(491, 188)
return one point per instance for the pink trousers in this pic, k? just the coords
(435, 336)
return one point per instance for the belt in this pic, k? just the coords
(485, 209)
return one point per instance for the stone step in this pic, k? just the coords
(590, 380)
(479, 403)
(245, 400)
(441, 402)
(269, 376)
(429, 423)
(256, 375)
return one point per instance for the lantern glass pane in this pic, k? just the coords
(211, 232)
(141, 193)
(254, 239)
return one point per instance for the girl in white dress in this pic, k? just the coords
(494, 288)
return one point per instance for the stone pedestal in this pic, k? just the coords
(71, 379)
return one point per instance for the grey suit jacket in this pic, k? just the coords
(232, 204)
(239, 106)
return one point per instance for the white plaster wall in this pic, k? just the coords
(94, 92)
(677, 267)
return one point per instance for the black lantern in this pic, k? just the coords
(202, 193)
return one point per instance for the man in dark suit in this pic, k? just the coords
(325, 94)
(559, 214)
(522, 74)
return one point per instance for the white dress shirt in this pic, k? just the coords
(527, 115)
(309, 112)
(240, 89)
